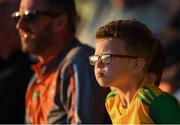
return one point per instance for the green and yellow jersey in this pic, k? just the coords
(149, 105)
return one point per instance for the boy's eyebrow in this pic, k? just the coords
(107, 52)
(103, 53)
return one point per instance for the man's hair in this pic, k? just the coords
(67, 7)
(139, 40)
(158, 62)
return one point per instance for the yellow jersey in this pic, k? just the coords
(138, 110)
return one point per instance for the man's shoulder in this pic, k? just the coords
(81, 50)
(85, 50)
(79, 55)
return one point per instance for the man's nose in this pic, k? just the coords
(21, 24)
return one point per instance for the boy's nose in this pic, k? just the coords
(100, 64)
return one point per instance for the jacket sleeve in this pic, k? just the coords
(82, 97)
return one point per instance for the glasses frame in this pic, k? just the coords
(31, 15)
(110, 58)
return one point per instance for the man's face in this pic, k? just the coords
(116, 72)
(36, 33)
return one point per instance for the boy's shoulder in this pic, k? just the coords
(163, 107)
(111, 98)
(149, 94)
(112, 94)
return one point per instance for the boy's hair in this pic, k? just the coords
(139, 40)
(68, 7)
(158, 62)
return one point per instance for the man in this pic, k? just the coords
(125, 56)
(63, 89)
(15, 69)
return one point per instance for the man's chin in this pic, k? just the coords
(28, 50)
(25, 50)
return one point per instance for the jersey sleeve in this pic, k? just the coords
(108, 102)
(163, 109)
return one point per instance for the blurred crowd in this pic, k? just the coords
(161, 16)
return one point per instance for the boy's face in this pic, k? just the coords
(118, 70)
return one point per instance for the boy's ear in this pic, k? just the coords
(60, 23)
(138, 65)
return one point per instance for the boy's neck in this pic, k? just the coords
(128, 92)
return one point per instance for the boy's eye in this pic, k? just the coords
(106, 58)
(93, 59)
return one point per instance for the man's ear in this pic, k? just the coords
(138, 65)
(60, 23)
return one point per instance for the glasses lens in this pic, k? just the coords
(29, 16)
(15, 16)
(106, 59)
(93, 59)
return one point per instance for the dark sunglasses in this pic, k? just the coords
(106, 58)
(29, 16)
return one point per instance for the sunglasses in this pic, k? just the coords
(106, 58)
(29, 16)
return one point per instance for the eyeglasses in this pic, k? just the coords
(107, 58)
(29, 16)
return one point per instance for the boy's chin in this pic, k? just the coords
(102, 84)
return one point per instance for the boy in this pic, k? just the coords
(124, 52)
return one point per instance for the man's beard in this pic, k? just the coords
(39, 43)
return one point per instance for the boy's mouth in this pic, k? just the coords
(100, 74)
